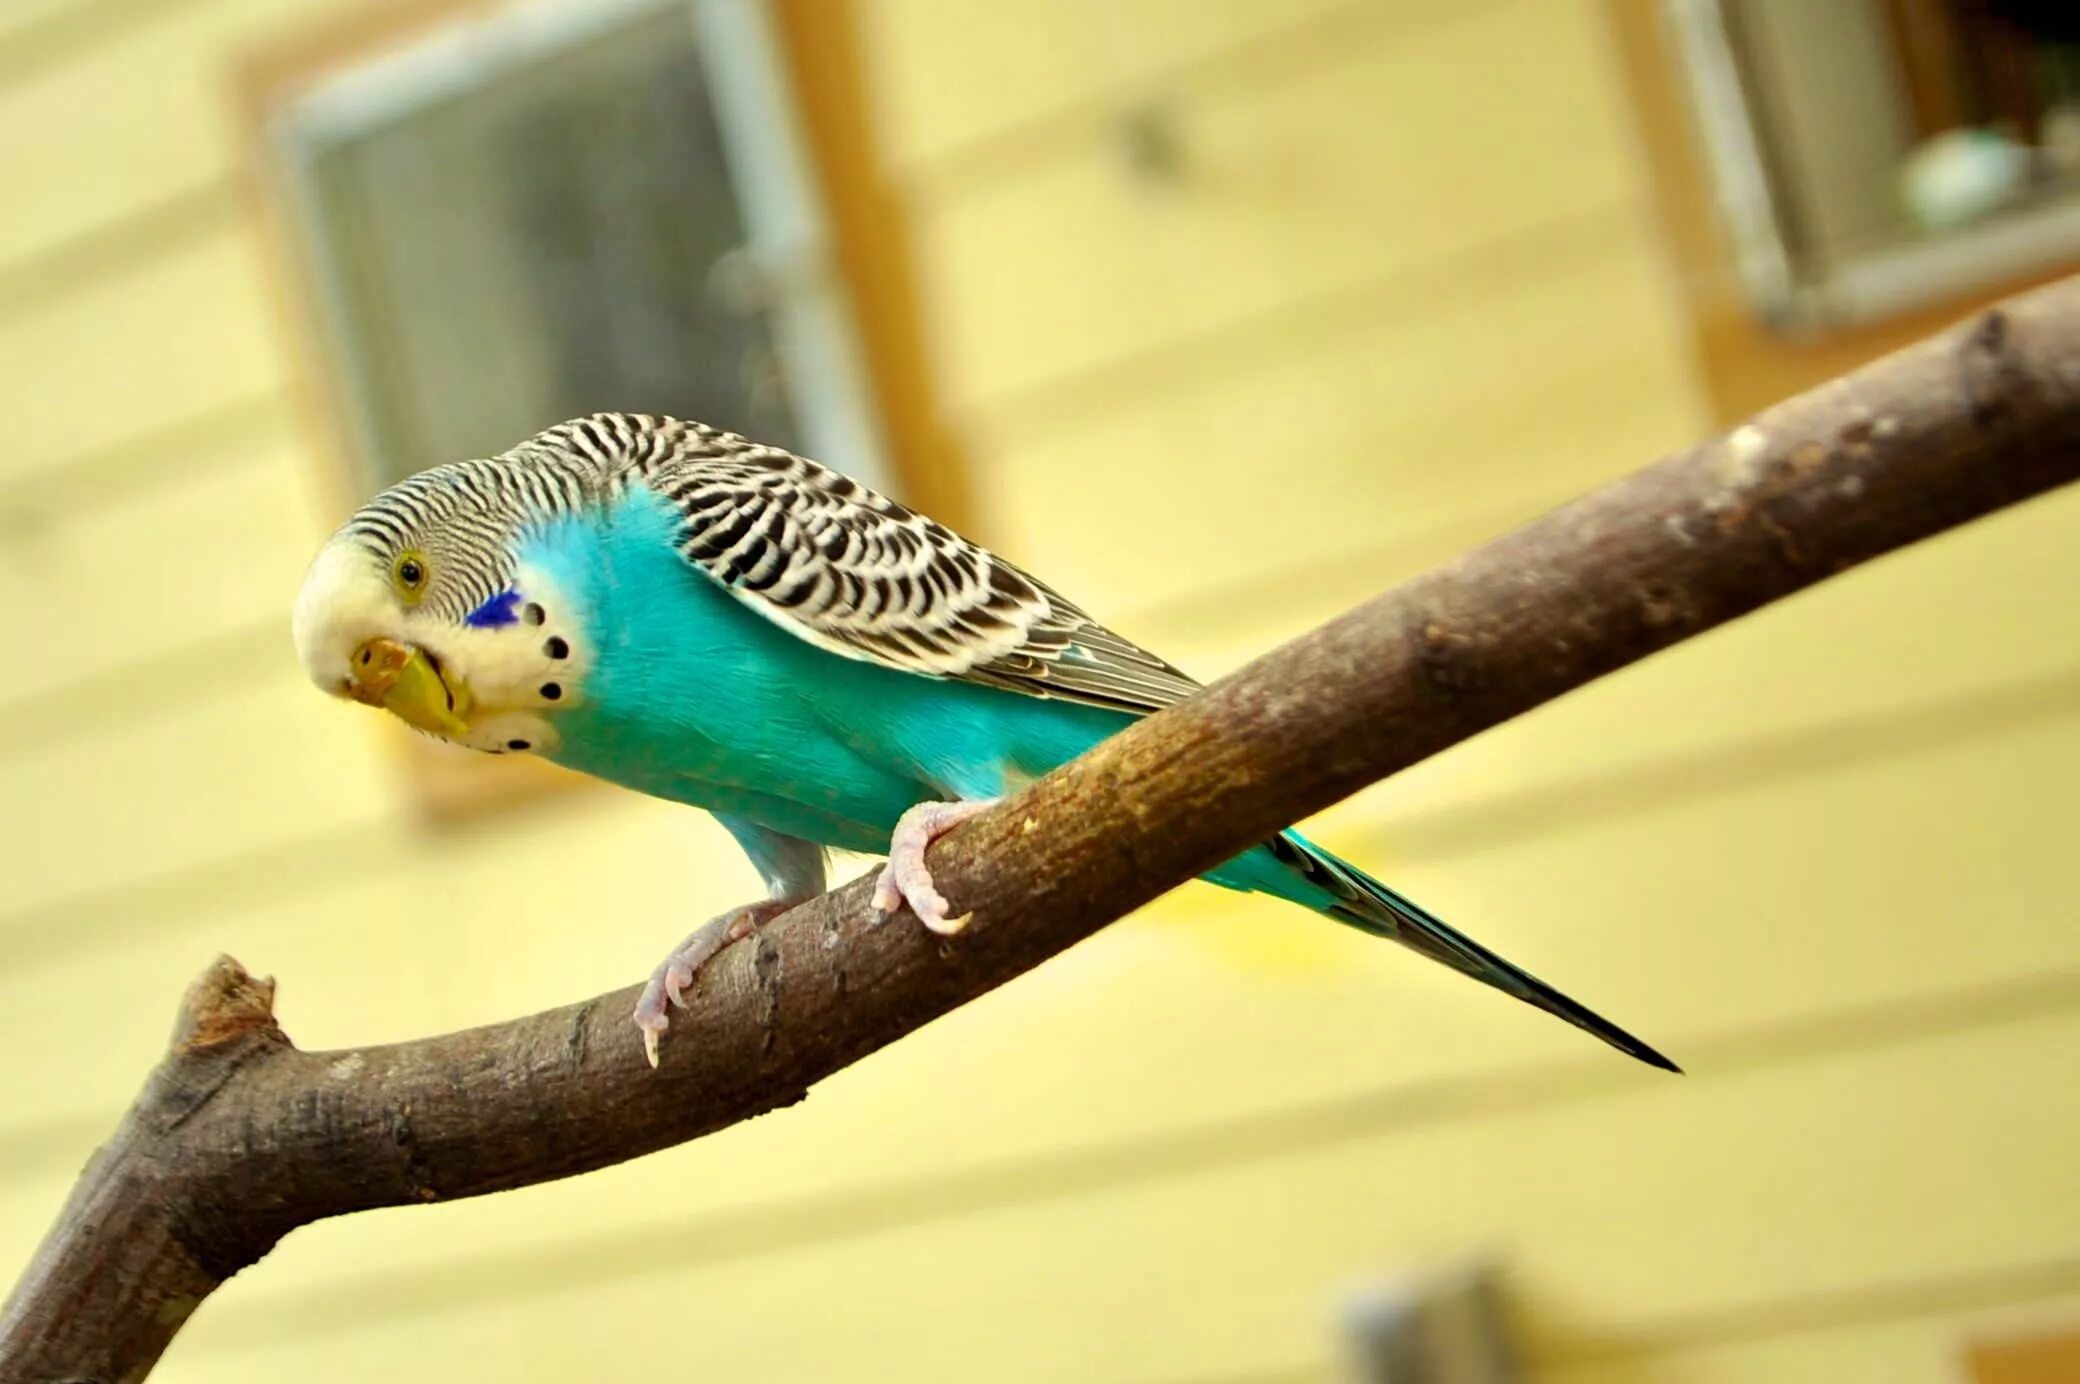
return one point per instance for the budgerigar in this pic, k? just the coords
(696, 616)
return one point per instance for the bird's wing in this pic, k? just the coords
(858, 574)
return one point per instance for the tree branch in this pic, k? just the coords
(238, 1137)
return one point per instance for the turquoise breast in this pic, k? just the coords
(694, 697)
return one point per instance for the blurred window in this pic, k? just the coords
(1870, 157)
(516, 217)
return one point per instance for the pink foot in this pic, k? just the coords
(906, 880)
(669, 981)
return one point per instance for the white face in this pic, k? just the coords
(363, 635)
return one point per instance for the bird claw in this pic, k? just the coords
(668, 984)
(651, 1015)
(677, 976)
(906, 879)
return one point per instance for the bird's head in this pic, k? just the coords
(419, 606)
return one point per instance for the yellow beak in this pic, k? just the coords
(403, 680)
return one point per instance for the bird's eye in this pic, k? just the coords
(410, 572)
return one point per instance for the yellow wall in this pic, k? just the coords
(1405, 293)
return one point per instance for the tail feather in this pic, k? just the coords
(1364, 903)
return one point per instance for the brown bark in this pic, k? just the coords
(238, 1137)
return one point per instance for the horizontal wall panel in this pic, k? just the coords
(931, 94)
(25, 16)
(142, 116)
(174, 784)
(1918, 647)
(410, 930)
(165, 568)
(131, 352)
(1450, 399)
(1384, 157)
(1050, 59)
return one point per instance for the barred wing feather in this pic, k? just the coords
(860, 575)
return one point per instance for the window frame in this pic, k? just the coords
(1744, 364)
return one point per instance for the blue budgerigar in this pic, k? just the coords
(696, 616)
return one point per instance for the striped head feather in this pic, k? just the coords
(422, 587)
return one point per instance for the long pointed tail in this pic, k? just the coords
(1366, 904)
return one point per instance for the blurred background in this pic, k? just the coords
(1220, 314)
